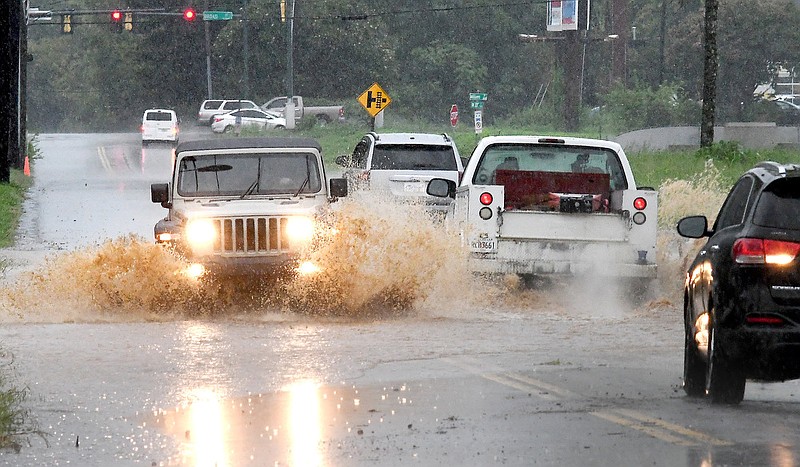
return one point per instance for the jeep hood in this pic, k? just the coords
(226, 207)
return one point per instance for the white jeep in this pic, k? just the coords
(244, 205)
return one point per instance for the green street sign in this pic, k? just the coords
(476, 104)
(217, 15)
(478, 96)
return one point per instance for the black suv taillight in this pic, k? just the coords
(762, 251)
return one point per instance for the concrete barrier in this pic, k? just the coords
(750, 135)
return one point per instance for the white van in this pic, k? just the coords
(159, 125)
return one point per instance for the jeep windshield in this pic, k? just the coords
(244, 175)
(542, 158)
(413, 157)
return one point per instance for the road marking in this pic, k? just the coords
(695, 435)
(628, 418)
(101, 152)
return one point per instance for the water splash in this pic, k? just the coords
(378, 258)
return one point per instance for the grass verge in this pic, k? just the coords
(11, 196)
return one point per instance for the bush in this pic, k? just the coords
(643, 107)
(724, 151)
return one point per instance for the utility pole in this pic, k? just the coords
(289, 112)
(23, 86)
(620, 24)
(246, 51)
(709, 73)
(10, 21)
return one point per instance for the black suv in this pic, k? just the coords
(742, 293)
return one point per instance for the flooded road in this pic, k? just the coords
(456, 371)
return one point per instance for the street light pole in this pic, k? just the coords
(208, 56)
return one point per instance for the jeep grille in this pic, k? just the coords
(237, 236)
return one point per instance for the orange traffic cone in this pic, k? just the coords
(27, 167)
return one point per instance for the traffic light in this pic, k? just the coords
(66, 24)
(189, 14)
(116, 21)
(128, 21)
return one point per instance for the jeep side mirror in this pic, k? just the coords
(343, 160)
(338, 187)
(159, 193)
(441, 188)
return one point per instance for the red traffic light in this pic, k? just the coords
(189, 14)
(116, 15)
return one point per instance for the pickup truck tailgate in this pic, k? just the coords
(595, 227)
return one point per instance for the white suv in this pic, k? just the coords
(403, 164)
(211, 107)
(159, 125)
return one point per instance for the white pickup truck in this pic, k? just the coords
(537, 206)
(323, 113)
(244, 206)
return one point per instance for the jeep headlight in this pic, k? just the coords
(200, 233)
(300, 230)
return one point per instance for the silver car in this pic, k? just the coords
(211, 107)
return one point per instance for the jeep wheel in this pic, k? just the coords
(724, 381)
(228, 129)
(694, 368)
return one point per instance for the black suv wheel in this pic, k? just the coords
(725, 382)
(694, 367)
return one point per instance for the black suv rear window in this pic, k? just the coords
(413, 157)
(779, 205)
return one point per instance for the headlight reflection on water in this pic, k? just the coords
(206, 431)
(304, 423)
(307, 268)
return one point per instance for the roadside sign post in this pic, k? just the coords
(374, 99)
(476, 101)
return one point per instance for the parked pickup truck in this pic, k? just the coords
(244, 206)
(535, 205)
(323, 113)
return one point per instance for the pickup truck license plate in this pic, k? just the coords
(483, 245)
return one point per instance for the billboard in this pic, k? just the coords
(562, 15)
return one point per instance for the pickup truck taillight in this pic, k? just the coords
(341, 112)
(639, 217)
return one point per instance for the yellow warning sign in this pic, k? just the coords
(374, 99)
